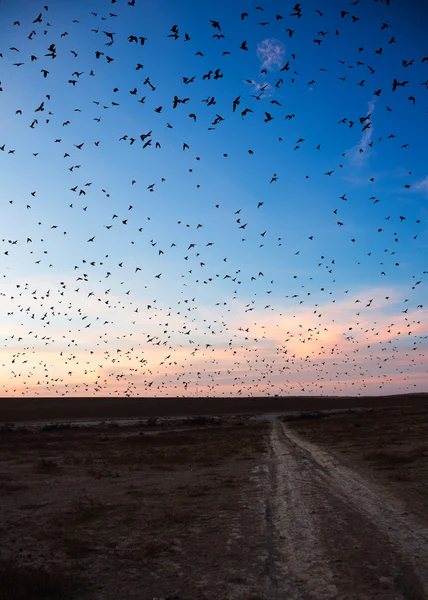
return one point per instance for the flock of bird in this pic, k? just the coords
(115, 288)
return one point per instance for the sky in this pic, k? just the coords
(213, 198)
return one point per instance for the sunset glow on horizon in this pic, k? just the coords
(197, 202)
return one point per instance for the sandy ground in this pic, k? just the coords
(307, 506)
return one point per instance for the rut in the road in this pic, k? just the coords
(307, 567)
(340, 536)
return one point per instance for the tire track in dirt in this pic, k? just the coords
(339, 536)
(306, 566)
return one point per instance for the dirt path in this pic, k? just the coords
(338, 535)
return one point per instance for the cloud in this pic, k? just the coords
(271, 53)
(265, 89)
(351, 345)
(422, 185)
(358, 154)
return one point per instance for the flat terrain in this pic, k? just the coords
(313, 505)
(132, 512)
(354, 519)
(48, 409)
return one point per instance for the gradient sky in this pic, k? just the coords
(234, 265)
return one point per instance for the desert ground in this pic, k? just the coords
(326, 502)
(96, 408)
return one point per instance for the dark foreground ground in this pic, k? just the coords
(132, 512)
(306, 506)
(48, 409)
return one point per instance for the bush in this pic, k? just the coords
(46, 465)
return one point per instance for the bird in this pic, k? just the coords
(192, 325)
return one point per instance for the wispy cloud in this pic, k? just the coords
(278, 348)
(271, 53)
(265, 89)
(358, 154)
(422, 185)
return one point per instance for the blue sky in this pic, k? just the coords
(323, 267)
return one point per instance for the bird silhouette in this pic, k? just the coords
(201, 317)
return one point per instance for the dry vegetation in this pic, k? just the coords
(136, 511)
(21, 581)
(54, 408)
(179, 508)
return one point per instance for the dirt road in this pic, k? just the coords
(336, 534)
(312, 508)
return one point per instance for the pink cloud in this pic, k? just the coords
(353, 345)
(271, 52)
